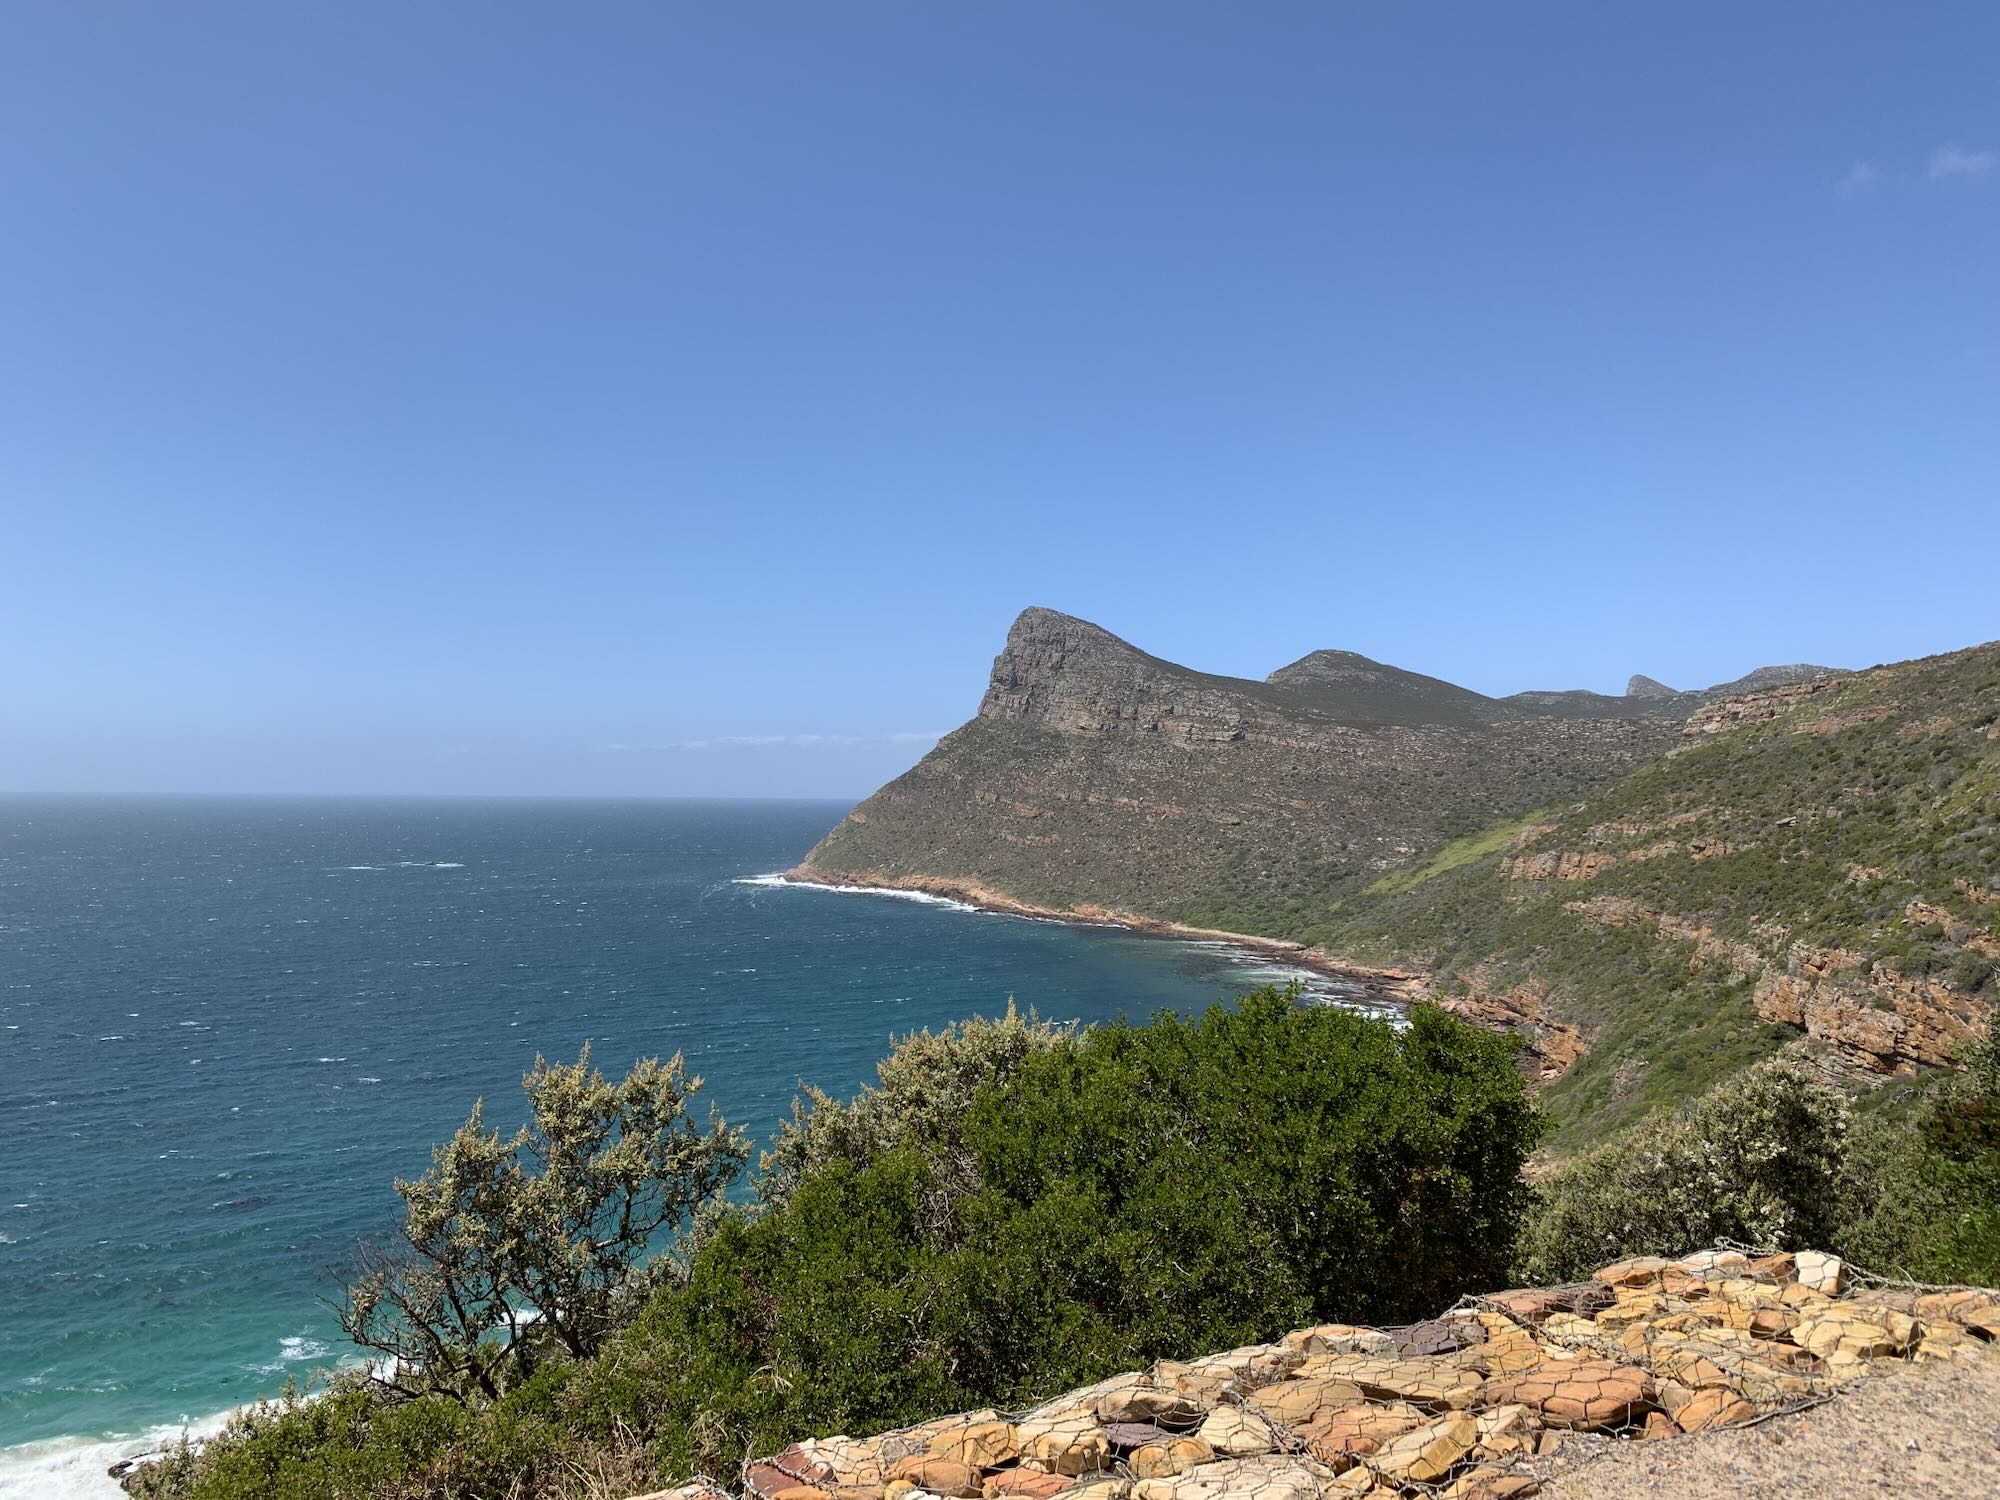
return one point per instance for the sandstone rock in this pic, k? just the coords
(1139, 1398)
(1439, 1336)
(1426, 1454)
(1271, 1477)
(1235, 1433)
(1534, 1305)
(1974, 1310)
(1433, 1383)
(1820, 1271)
(1100, 1489)
(1339, 1438)
(700, 1489)
(1064, 1444)
(1717, 1406)
(940, 1476)
(1491, 1484)
(892, 1447)
(1298, 1402)
(979, 1445)
(1244, 1369)
(1024, 1484)
(1640, 1271)
(1507, 1430)
(1863, 1332)
(1703, 1262)
(1586, 1394)
(1174, 1456)
(785, 1470)
(1340, 1338)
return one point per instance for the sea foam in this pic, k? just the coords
(926, 898)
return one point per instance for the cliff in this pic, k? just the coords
(1095, 775)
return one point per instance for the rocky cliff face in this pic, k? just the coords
(1095, 774)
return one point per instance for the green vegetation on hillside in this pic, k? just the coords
(1821, 827)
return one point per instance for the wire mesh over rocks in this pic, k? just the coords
(1478, 1404)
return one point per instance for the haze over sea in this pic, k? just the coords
(227, 1025)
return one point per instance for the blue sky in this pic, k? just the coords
(430, 398)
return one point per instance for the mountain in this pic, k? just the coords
(1096, 777)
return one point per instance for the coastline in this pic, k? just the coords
(1392, 986)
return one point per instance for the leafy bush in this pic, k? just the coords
(1757, 1159)
(1098, 1201)
(926, 1085)
(1925, 1200)
(512, 1245)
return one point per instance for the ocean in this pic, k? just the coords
(227, 1025)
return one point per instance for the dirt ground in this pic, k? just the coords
(1929, 1432)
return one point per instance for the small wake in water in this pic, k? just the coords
(924, 898)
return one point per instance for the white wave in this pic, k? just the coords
(8, 1239)
(364, 867)
(293, 1349)
(447, 864)
(924, 897)
(76, 1468)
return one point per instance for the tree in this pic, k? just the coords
(512, 1247)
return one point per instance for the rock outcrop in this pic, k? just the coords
(1486, 1401)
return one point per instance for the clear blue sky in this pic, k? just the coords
(431, 397)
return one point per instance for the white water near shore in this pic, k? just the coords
(79, 1468)
(1256, 966)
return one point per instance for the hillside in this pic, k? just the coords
(1819, 859)
(1097, 776)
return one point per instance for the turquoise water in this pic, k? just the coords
(226, 1026)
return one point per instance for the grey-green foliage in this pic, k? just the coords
(511, 1243)
(925, 1087)
(1758, 1158)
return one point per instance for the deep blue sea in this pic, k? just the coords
(227, 1025)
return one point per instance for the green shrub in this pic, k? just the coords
(1094, 1202)
(1758, 1159)
(1924, 1197)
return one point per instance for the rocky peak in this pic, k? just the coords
(1641, 686)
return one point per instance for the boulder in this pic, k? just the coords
(1860, 1331)
(1507, 1430)
(938, 1476)
(787, 1469)
(1271, 1477)
(1488, 1483)
(1717, 1406)
(1340, 1338)
(1426, 1454)
(1439, 1336)
(1140, 1398)
(1072, 1444)
(1535, 1305)
(1243, 1370)
(1436, 1383)
(1588, 1395)
(1024, 1484)
(1165, 1459)
(892, 1447)
(979, 1445)
(1976, 1311)
(1298, 1402)
(1235, 1433)
(1820, 1271)
(1343, 1437)
(1640, 1271)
